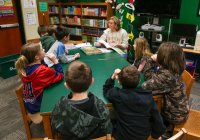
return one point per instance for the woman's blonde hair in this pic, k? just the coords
(116, 21)
(142, 48)
(171, 57)
(28, 53)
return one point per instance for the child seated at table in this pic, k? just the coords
(142, 53)
(35, 76)
(167, 80)
(80, 115)
(58, 48)
(47, 36)
(137, 116)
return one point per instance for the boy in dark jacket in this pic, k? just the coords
(47, 39)
(137, 116)
(80, 116)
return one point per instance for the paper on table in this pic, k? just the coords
(105, 43)
(83, 45)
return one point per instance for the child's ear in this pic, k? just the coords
(119, 82)
(92, 81)
(66, 85)
(37, 57)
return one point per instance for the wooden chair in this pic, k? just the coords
(107, 137)
(189, 80)
(26, 118)
(192, 125)
(180, 135)
(158, 99)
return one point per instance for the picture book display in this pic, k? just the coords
(91, 50)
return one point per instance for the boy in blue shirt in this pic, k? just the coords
(137, 116)
(58, 48)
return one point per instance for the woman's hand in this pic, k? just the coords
(52, 57)
(114, 44)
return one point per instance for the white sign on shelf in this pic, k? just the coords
(29, 4)
(31, 18)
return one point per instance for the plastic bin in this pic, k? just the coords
(7, 66)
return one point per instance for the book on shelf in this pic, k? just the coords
(91, 50)
(75, 31)
(94, 11)
(54, 20)
(71, 20)
(53, 9)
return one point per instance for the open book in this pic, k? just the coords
(114, 48)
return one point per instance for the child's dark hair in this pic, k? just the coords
(171, 57)
(78, 76)
(61, 32)
(129, 76)
(51, 29)
(42, 29)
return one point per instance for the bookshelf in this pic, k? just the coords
(86, 21)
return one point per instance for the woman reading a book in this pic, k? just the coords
(115, 35)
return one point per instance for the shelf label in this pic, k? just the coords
(130, 17)
(43, 6)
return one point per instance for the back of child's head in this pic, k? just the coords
(78, 76)
(142, 48)
(28, 53)
(51, 29)
(61, 32)
(129, 76)
(171, 57)
(42, 29)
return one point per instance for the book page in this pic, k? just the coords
(105, 43)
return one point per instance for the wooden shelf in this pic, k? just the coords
(95, 27)
(54, 14)
(93, 16)
(55, 24)
(71, 24)
(75, 35)
(69, 15)
(44, 16)
(90, 34)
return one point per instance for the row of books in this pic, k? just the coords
(54, 20)
(93, 31)
(90, 38)
(75, 31)
(94, 11)
(53, 10)
(68, 20)
(71, 10)
(94, 22)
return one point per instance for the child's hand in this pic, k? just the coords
(66, 51)
(52, 57)
(77, 55)
(115, 74)
(154, 57)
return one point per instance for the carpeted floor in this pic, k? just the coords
(11, 122)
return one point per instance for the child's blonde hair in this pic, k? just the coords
(28, 53)
(142, 48)
(171, 57)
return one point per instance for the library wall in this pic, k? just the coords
(30, 30)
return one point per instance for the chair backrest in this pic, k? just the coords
(189, 80)
(158, 99)
(26, 118)
(180, 135)
(107, 137)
